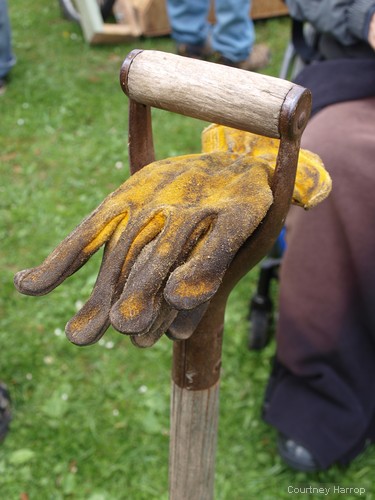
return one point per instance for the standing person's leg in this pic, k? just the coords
(5, 413)
(233, 34)
(229, 41)
(7, 60)
(189, 25)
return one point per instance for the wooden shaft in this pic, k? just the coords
(195, 407)
(211, 92)
(194, 423)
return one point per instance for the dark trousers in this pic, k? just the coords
(322, 389)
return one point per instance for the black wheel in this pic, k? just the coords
(70, 11)
(260, 324)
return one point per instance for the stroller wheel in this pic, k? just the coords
(260, 323)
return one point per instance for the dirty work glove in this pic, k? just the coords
(170, 232)
(312, 184)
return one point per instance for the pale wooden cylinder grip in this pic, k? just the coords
(211, 92)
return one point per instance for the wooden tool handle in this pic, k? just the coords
(211, 92)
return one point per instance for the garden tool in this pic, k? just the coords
(181, 232)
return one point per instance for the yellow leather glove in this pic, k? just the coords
(312, 184)
(170, 232)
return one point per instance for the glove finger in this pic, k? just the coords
(186, 323)
(196, 281)
(140, 302)
(71, 254)
(159, 327)
(91, 322)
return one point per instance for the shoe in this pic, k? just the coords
(5, 415)
(296, 455)
(259, 57)
(202, 52)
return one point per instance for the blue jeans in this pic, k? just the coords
(7, 60)
(232, 36)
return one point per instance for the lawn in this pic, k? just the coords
(92, 423)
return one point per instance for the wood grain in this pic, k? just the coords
(194, 421)
(211, 92)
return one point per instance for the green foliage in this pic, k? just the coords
(92, 423)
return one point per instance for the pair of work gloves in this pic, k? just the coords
(170, 233)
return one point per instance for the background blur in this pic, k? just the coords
(92, 423)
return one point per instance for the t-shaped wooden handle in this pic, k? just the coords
(212, 92)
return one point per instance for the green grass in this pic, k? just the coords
(92, 423)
